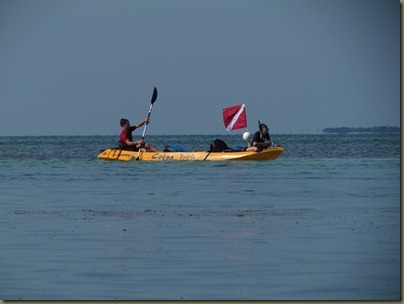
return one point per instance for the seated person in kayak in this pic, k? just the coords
(125, 139)
(261, 139)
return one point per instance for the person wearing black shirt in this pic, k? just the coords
(261, 139)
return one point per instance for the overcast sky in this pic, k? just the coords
(75, 67)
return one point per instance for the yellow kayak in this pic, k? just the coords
(124, 155)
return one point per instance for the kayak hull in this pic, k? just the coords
(124, 155)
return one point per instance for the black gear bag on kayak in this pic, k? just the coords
(219, 145)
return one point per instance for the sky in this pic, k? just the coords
(76, 67)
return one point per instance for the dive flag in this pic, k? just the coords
(235, 117)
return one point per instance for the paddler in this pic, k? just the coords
(261, 139)
(125, 139)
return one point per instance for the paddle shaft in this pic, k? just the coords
(148, 116)
(153, 99)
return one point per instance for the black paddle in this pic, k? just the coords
(153, 100)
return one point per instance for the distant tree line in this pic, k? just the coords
(383, 129)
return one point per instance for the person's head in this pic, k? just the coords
(124, 123)
(263, 128)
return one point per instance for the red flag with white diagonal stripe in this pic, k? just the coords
(235, 117)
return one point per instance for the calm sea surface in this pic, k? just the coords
(321, 222)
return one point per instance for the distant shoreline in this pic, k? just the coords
(344, 130)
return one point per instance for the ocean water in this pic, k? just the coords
(321, 222)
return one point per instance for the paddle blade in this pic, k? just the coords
(154, 97)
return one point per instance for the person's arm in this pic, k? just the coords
(256, 139)
(132, 143)
(146, 120)
(267, 141)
